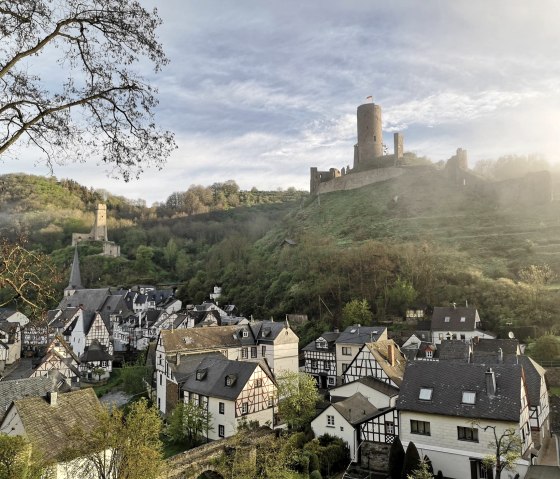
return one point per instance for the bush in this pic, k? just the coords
(332, 452)
(411, 460)
(314, 464)
(396, 459)
(315, 475)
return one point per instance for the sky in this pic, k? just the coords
(259, 91)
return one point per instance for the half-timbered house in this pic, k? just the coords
(10, 343)
(231, 392)
(59, 357)
(376, 391)
(450, 410)
(320, 359)
(350, 342)
(382, 360)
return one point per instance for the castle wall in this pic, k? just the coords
(357, 180)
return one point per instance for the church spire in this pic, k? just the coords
(75, 277)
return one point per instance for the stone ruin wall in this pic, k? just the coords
(357, 180)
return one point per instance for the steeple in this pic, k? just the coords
(75, 277)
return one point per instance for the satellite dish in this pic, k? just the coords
(511, 335)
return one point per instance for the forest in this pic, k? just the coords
(391, 246)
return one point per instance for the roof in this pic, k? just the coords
(48, 428)
(95, 352)
(373, 383)
(266, 331)
(75, 277)
(356, 409)
(380, 351)
(216, 370)
(6, 313)
(329, 336)
(459, 319)
(534, 372)
(360, 334)
(453, 349)
(448, 380)
(90, 299)
(203, 338)
(492, 345)
(12, 390)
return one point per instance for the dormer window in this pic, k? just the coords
(429, 354)
(245, 333)
(463, 319)
(321, 344)
(469, 397)
(425, 394)
(447, 319)
(200, 374)
(230, 380)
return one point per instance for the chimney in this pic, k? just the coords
(53, 398)
(490, 382)
(391, 354)
(336, 330)
(500, 355)
(178, 359)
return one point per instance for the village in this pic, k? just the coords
(451, 388)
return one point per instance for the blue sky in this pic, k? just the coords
(259, 91)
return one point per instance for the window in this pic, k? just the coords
(344, 366)
(389, 427)
(245, 333)
(244, 408)
(447, 319)
(469, 397)
(221, 407)
(463, 337)
(440, 336)
(420, 427)
(221, 431)
(346, 351)
(429, 353)
(425, 394)
(270, 401)
(263, 351)
(467, 434)
(326, 365)
(254, 352)
(258, 383)
(244, 353)
(331, 381)
(160, 379)
(330, 421)
(313, 364)
(463, 319)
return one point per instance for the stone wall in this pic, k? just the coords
(357, 180)
(374, 456)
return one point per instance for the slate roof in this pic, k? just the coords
(329, 336)
(48, 428)
(372, 383)
(356, 409)
(89, 299)
(204, 338)
(508, 346)
(75, 281)
(533, 374)
(448, 381)
(267, 331)
(5, 313)
(454, 315)
(12, 390)
(95, 352)
(214, 382)
(453, 350)
(360, 334)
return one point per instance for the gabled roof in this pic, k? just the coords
(75, 277)
(534, 372)
(356, 409)
(217, 369)
(448, 381)
(6, 313)
(380, 351)
(267, 331)
(95, 352)
(204, 338)
(373, 383)
(48, 428)
(487, 345)
(329, 336)
(90, 299)
(360, 334)
(454, 319)
(12, 390)
(453, 350)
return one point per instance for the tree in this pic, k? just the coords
(16, 462)
(546, 347)
(189, 423)
(98, 371)
(298, 395)
(411, 460)
(536, 277)
(356, 312)
(133, 440)
(104, 106)
(507, 447)
(396, 459)
(421, 472)
(27, 279)
(402, 294)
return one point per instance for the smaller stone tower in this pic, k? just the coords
(370, 135)
(399, 146)
(99, 229)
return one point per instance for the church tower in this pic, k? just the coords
(75, 276)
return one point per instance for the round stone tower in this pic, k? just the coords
(370, 136)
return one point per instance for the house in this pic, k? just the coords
(382, 360)
(232, 392)
(13, 316)
(450, 410)
(272, 342)
(320, 359)
(10, 343)
(95, 361)
(343, 419)
(350, 342)
(456, 323)
(59, 357)
(48, 423)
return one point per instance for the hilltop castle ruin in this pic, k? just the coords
(99, 233)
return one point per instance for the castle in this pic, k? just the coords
(99, 233)
(373, 165)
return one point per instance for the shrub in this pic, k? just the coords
(315, 475)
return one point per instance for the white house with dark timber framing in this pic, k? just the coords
(382, 360)
(450, 410)
(320, 359)
(231, 392)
